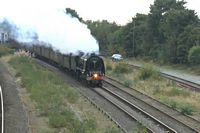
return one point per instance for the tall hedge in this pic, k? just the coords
(4, 50)
(194, 55)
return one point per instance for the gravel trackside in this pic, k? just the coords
(16, 120)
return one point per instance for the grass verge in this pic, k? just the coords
(53, 97)
(149, 82)
(4, 50)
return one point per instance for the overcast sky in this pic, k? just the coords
(120, 11)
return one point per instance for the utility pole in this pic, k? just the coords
(133, 36)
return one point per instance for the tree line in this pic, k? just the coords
(169, 33)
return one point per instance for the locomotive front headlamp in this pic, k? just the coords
(95, 75)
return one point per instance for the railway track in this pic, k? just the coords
(156, 116)
(1, 112)
(185, 83)
(170, 120)
(136, 113)
(182, 82)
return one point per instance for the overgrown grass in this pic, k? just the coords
(4, 50)
(121, 68)
(112, 130)
(184, 108)
(51, 95)
(108, 66)
(177, 92)
(128, 83)
(148, 71)
(149, 81)
(188, 109)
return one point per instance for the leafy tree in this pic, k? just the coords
(187, 39)
(139, 35)
(174, 25)
(102, 31)
(194, 55)
(166, 34)
(74, 14)
(167, 21)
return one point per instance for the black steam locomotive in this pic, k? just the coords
(85, 67)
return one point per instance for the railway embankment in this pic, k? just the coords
(164, 90)
(15, 113)
(54, 105)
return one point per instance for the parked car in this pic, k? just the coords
(117, 57)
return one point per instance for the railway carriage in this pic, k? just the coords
(37, 50)
(88, 67)
(66, 61)
(53, 56)
(46, 52)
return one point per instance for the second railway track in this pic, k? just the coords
(150, 122)
(171, 119)
(183, 82)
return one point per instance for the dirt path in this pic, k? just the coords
(16, 120)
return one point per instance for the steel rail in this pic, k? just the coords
(149, 104)
(125, 111)
(46, 64)
(102, 110)
(2, 111)
(169, 129)
(186, 83)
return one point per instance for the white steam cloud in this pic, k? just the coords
(34, 22)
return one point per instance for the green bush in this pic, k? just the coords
(194, 55)
(148, 71)
(188, 110)
(173, 104)
(4, 50)
(122, 68)
(128, 83)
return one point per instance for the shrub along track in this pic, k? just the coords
(171, 117)
(183, 82)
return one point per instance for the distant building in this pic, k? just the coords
(3, 36)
